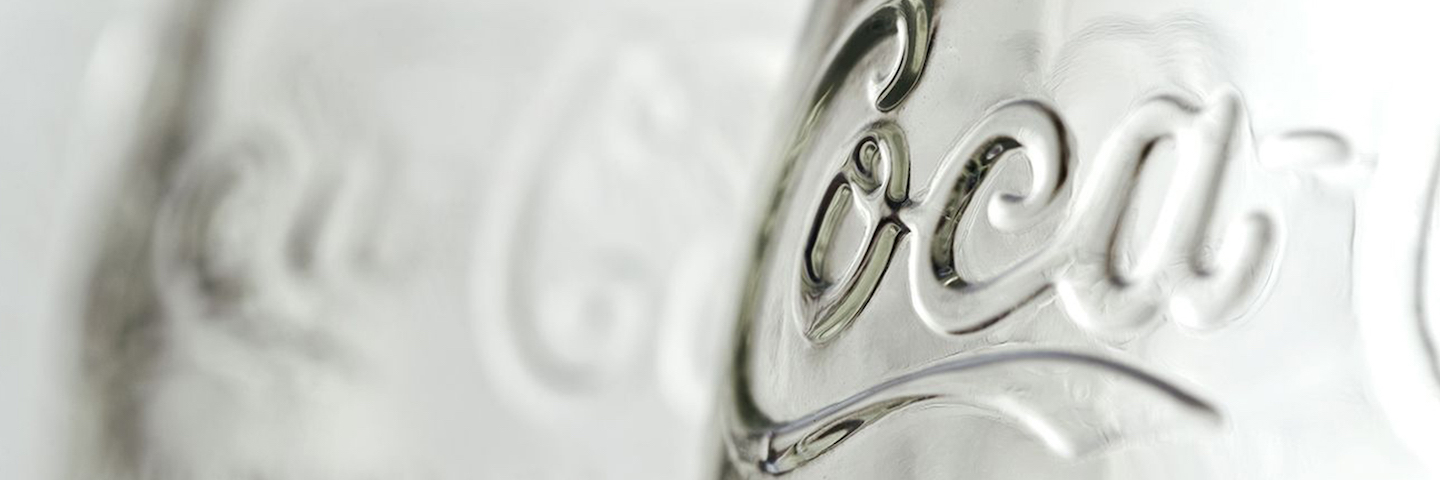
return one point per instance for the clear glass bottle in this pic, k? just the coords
(1096, 239)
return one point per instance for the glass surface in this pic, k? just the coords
(465, 239)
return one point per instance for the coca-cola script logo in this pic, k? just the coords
(1199, 269)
